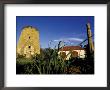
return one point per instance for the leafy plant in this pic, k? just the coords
(49, 62)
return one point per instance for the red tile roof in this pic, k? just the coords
(68, 48)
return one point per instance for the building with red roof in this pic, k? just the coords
(74, 51)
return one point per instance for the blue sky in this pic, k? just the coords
(70, 29)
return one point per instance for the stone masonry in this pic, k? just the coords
(28, 43)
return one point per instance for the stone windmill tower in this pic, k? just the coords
(28, 43)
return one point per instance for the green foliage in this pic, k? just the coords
(49, 62)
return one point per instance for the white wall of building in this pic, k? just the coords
(81, 53)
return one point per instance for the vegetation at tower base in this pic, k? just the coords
(49, 62)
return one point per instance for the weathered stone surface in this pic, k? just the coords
(89, 35)
(28, 43)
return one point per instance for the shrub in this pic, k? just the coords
(49, 62)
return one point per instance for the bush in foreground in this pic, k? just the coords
(49, 62)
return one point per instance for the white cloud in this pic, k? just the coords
(56, 40)
(69, 40)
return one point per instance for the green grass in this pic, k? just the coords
(24, 61)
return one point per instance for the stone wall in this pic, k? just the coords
(28, 43)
